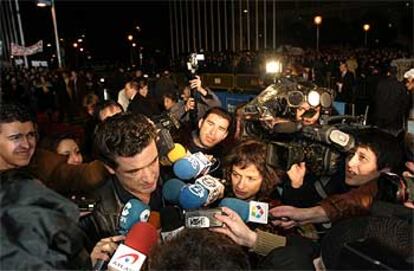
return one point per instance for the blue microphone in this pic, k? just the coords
(134, 211)
(192, 166)
(241, 207)
(193, 196)
(171, 190)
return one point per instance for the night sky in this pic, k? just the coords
(106, 25)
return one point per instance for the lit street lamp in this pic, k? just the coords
(130, 37)
(366, 28)
(317, 20)
(51, 3)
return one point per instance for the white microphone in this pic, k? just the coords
(213, 186)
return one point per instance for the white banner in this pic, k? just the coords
(17, 50)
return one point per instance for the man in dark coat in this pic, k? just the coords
(345, 86)
(390, 104)
(39, 228)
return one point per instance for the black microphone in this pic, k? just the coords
(172, 222)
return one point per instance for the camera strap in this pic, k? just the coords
(320, 184)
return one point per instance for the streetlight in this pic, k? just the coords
(51, 3)
(366, 28)
(317, 20)
(130, 37)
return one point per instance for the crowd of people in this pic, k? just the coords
(120, 158)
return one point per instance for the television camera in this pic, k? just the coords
(321, 146)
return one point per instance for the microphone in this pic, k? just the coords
(206, 190)
(138, 243)
(171, 190)
(134, 211)
(172, 222)
(155, 219)
(193, 196)
(213, 186)
(192, 166)
(177, 153)
(330, 135)
(253, 211)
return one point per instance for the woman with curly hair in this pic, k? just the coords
(249, 177)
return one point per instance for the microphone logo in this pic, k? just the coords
(129, 258)
(125, 210)
(126, 259)
(258, 212)
(197, 190)
(144, 216)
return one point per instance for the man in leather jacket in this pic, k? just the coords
(126, 145)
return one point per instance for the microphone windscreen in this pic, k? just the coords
(241, 207)
(142, 237)
(177, 153)
(155, 219)
(193, 196)
(134, 211)
(171, 218)
(171, 190)
(286, 127)
(186, 168)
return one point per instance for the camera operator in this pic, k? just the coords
(200, 103)
(376, 152)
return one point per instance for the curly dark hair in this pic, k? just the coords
(11, 112)
(124, 134)
(199, 250)
(251, 152)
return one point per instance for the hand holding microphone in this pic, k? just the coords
(103, 249)
(134, 211)
(138, 243)
(235, 228)
(253, 211)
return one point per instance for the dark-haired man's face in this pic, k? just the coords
(213, 130)
(361, 167)
(17, 144)
(139, 174)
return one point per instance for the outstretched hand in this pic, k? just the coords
(235, 228)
